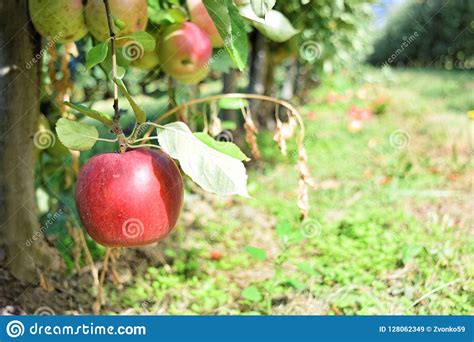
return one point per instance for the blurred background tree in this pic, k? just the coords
(442, 35)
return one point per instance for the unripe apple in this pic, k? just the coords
(129, 199)
(201, 18)
(149, 59)
(184, 52)
(61, 20)
(133, 14)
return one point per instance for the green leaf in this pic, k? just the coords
(232, 103)
(158, 15)
(144, 39)
(214, 171)
(252, 293)
(295, 283)
(262, 7)
(120, 24)
(225, 147)
(122, 64)
(306, 268)
(257, 253)
(76, 135)
(139, 113)
(231, 28)
(275, 26)
(283, 229)
(221, 61)
(94, 114)
(96, 55)
(230, 125)
(178, 14)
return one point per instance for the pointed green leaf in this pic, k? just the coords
(139, 113)
(231, 28)
(257, 253)
(76, 135)
(306, 268)
(122, 64)
(252, 293)
(94, 114)
(214, 171)
(96, 55)
(120, 24)
(295, 283)
(229, 125)
(144, 40)
(228, 148)
(178, 14)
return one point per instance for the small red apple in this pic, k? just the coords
(184, 52)
(129, 199)
(201, 18)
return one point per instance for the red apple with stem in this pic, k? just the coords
(184, 52)
(129, 199)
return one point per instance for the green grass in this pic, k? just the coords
(394, 225)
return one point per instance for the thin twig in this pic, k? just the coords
(89, 259)
(100, 289)
(113, 267)
(116, 128)
(434, 291)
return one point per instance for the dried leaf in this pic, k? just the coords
(215, 126)
(114, 255)
(303, 202)
(250, 133)
(284, 131)
(76, 250)
(71, 49)
(63, 87)
(44, 283)
(305, 181)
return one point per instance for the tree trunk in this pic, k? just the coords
(258, 60)
(230, 86)
(288, 90)
(19, 108)
(265, 110)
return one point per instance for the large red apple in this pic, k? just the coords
(129, 199)
(133, 13)
(184, 52)
(201, 18)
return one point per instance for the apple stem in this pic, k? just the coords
(116, 128)
(171, 93)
